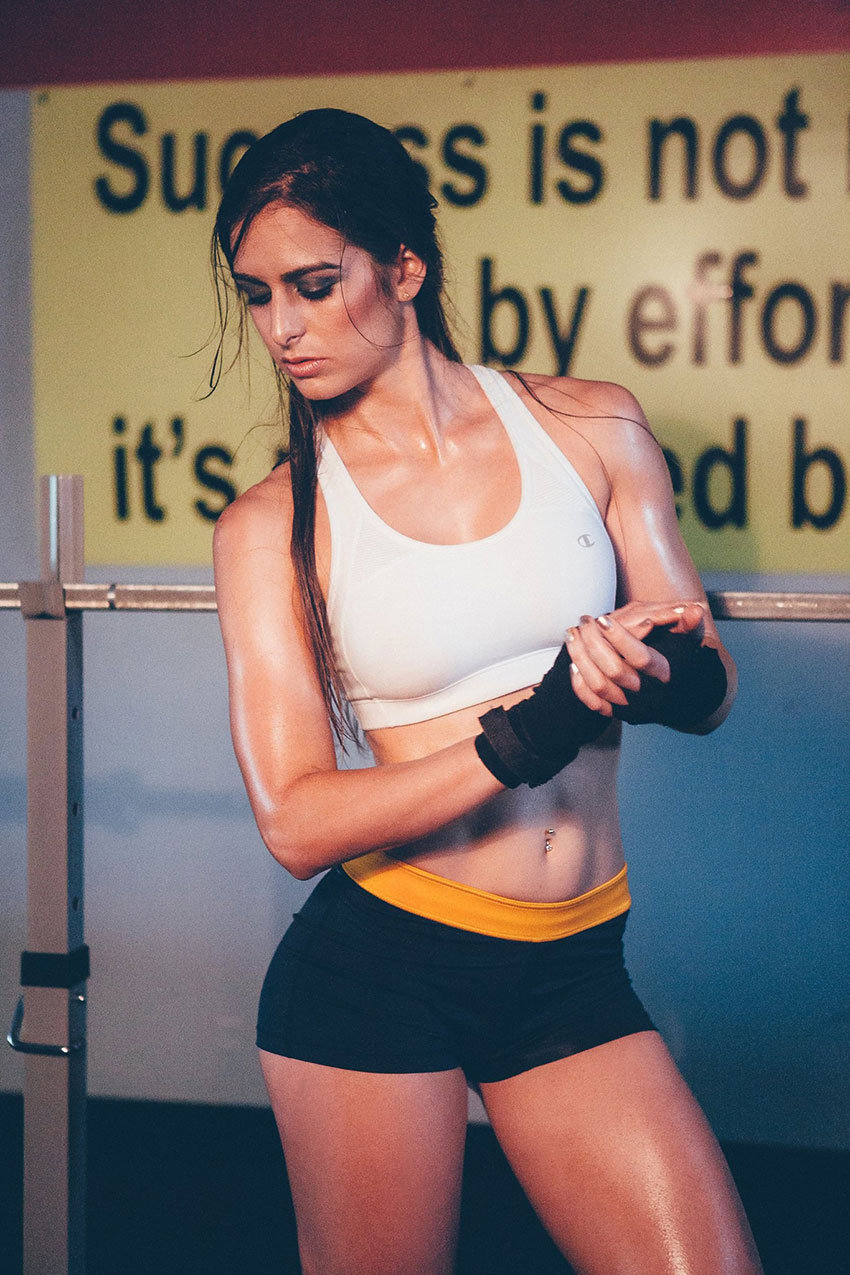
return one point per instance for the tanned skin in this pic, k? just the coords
(609, 1144)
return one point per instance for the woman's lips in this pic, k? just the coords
(301, 367)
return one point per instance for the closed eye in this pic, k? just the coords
(314, 292)
(261, 297)
(317, 293)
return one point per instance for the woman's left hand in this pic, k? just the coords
(634, 493)
(608, 652)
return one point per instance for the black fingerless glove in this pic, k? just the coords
(697, 685)
(533, 740)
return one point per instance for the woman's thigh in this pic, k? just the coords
(375, 1163)
(620, 1164)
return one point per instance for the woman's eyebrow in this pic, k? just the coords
(291, 276)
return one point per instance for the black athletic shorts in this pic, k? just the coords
(360, 984)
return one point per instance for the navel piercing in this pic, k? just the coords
(547, 844)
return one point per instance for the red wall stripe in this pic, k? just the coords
(90, 41)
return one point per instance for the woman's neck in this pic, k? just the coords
(410, 406)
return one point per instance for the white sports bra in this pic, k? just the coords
(423, 629)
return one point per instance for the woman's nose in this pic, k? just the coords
(287, 322)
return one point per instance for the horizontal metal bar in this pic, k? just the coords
(201, 597)
(779, 606)
(140, 597)
(9, 599)
(124, 597)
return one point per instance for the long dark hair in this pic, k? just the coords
(354, 176)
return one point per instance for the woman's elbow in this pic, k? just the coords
(298, 867)
(290, 840)
(285, 820)
(292, 852)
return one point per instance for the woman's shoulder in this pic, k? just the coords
(261, 516)
(586, 400)
(606, 415)
(267, 501)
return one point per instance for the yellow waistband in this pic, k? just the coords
(467, 908)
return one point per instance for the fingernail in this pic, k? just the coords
(569, 636)
(603, 621)
(574, 670)
(679, 610)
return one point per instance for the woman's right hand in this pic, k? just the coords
(608, 652)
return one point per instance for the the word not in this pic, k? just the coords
(740, 153)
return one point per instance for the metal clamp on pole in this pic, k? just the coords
(42, 599)
(13, 1036)
(49, 969)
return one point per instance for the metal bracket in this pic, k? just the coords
(42, 599)
(13, 1036)
(55, 969)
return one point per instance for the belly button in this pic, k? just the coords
(547, 844)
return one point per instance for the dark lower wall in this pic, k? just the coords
(176, 1187)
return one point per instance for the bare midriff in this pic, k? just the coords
(542, 844)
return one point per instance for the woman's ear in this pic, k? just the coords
(410, 274)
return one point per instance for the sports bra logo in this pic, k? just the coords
(586, 541)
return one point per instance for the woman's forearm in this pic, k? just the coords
(329, 816)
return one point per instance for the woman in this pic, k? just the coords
(459, 523)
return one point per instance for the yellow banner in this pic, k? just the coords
(679, 227)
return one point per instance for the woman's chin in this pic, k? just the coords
(340, 398)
